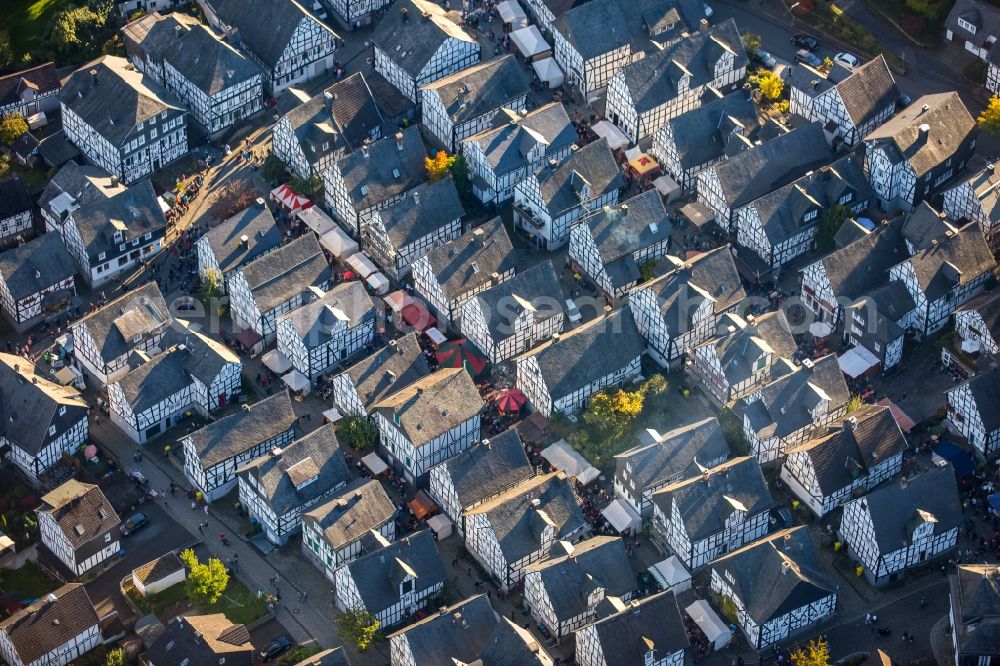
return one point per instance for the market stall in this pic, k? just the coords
(374, 464)
(417, 316)
(378, 282)
(531, 44)
(440, 526)
(512, 15)
(296, 381)
(435, 336)
(697, 214)
(710, 623)
(856, 361)
(362, 264)
(422, 506)
(398, 300)
(284, 195)
(276, 361)
(667, 187)
(548, 72)
(563, 457)
(621, 516)
(671, 574)
(615, 137)
(332, 415)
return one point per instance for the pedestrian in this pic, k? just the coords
(923, 601)
(454, 562)
(201, 528)
(206, 509)
(193, 505)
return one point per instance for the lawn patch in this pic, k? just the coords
(28, 22)
(26, 584)
(237, 603)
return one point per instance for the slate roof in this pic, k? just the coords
(983, 15)
(469, 262)
(226, 239)
(389, 370)
(121, 98)
(347, 517)
(433, 405)
(600, 26)
(866, 438)
(45, 625)
(14, 198)
(506, 145)
(370, 176)
(56, 151)
(703, 134)
(589, 353)
(135, 211)
(83, 514)
(626, 635)
(925, 225)
(653, 81)
(536, 288)
(279, 276)
(621, 230)
(893, 507)
(864, 264)
(956, 259)
(985, 390)
(41, 78)
(378, 574)
(488, 468)
(568, 579)
(950, 125)
(142, 311)
(986, 186)
(517, 522)
(892, 301)
(84, 184)
(423, 211)
(975, 599)
(239, 432)
(988, 307)
(412, 32)
(317, 454)
(204, 640)
(348, 301)
(868, 90)
(706, 501)
(786, 403)
(209, 63)
(353, 109)
(739, 351)
(36, 265)
(777, 574)
(753, 173)
(592, 165)
(481, 88)
(267, 30)
(29, 405)
(677, 452)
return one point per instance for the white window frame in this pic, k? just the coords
(965, 25)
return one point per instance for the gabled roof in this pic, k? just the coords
(36, 265)
(654, 621)
(350, 514)
(204, 640)
(140, 312)
(705, 133)
(507, 145)
(79, 185)
(41, 78)
(50, 622)
(412, 32)
(985, 185)
(209, 63)
(489, 467)
(280, 275)
(314, 130)
(984, 16)
(378, 574)
(677, 452)
(226, 240)
(353, 109)
(956, 259)
(243, 430)
(600, 26)
(433, 405)
(116, 99)
(158, 569)
(469, 261)
(268, 29)
(619, 231)
(706, 501)
(902, 137)
(134, 212)
(82, 512)
(14, 198)
(988, 307)
(739, 351)
(424, 210)
(389, 370)
(786, 404)
(592, 166)
(348, 302)
(864, 264)
(385, 169)
(776, 575)
(925, 225)
(985, 389)
(868, 90)
(481, 88)
(536, 288)
(975, 598)
(29, 405)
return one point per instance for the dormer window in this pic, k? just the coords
(406, 587)
(810, 216)
(965, 25)
(52, 431)
(137, 339)
(846, 198)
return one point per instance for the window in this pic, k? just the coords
(102, 256)
(107, 538)
(877, 346)
(62, 410)
(52, 431)
(965, 25)
(810, 216)
(407, 586)
(152, 133)
(121, 247)
(163, 114)
(846, 198)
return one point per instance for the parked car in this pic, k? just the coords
(847, 60)
(572, 312)
(808, 57)
(804, 41)
(903, 102)
(708, 11)
(135, 523)
(766, 59)
(275, 648)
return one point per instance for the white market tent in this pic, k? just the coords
(710, 623)
(562, 456)
(616, 138)
(530, 43)
(512, 14)
(621, 515)
(398, 300)
(276, 361)
(340, 245)
(856, 361)
(378, 282)
(435, 335)
(362, 264)
(820, 329)
(316, 219)
(440, 525)
(332, 415)
(672, 574)
(667, 187)
(548, 71)
(374, 464)
(296, 381)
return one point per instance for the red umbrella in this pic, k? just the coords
(460, 353)
(510, 400)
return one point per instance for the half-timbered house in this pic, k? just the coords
(147, 37)
(664, 458)
(212, 454)
(122, 120)
(309, 138)
(548, 203)
(465, 633)
(777, 586)
(417, 43)
(643, 95)
(848, 103)
(875, 326)
(78, 526)
(649, 631)
(429, 216)
(850, 458)
(290, 44)
(428, 422)
(195, 373)
(681, 307)
(913, 155)
(16, 219)
(279, 486)
(613, 244)
(55, 630)
(516, 315)
(450, 275)
(575, 585)
(478, 474)
(384, 373)
(500, 157)
(36, 282)
(561, 375)
(359, 519)
(30, 91)
(519, 527)
(354, 110)
(748, 175)
(903, 525)
(275, 284)
(466, 102)
(547, 11)
(392, 583)
(742, 357)
(374, 177)
(974, 613)
(70, 188)
(43, 421)
(706, 516)
(234, 243)
(977, 200)
(976, 342)
(201, 639)
(972, 411)
(785, 412)
(104, 339)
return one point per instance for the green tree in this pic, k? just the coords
(460, 173)
(273, 169)
(614, 411)
(826, 65)
(358, 626)
(989, 119)
(647, 270)
(115, 657)
(6, 50)
(655, 385)
(211, 288)
(770, 85)
(205, 582)
(12, 127)
(77, 31)
(829, 224)
(854, 404)
(751, 42)
(358, 432)
(306, 186)
(817, 653)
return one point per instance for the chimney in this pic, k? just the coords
(925, 129)
(364, 150)
(703, 25)
(52, 598)
(989, 169)
(399, 141)
(93, 76)
(404, 15)
(114, 181)
(276, 452)
(245, 240)
(850, 424)
(925, 108)
(38, 275)
(416, 198)
(486, 444)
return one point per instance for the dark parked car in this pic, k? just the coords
(808, 58)
(803, 41)
(274, 649)
(134, 524)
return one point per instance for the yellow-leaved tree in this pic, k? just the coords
(989, 119)
(614, 410)
(771, 85)
(439, 166)
(816, 653)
